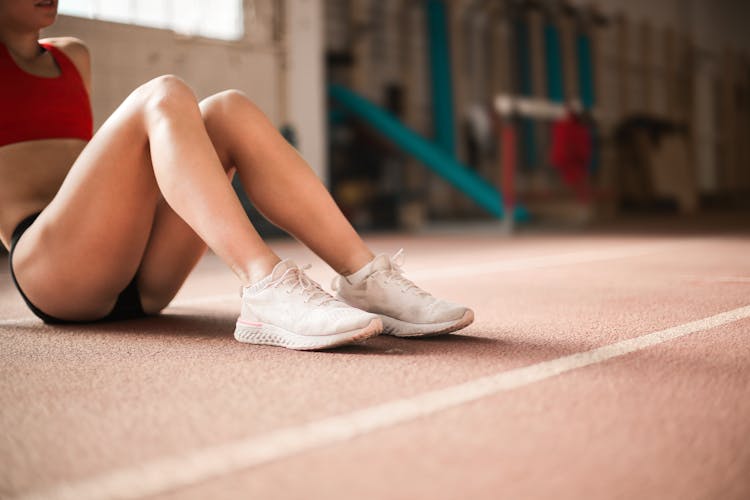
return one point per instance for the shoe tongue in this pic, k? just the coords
(282, 267)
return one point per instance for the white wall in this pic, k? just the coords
(125, 56)
(306, 93)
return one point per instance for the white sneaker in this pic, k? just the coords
(290, 310)
(406, 310)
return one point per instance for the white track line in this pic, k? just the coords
(18, 321)
(167, 474)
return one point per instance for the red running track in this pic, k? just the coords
(601, 365)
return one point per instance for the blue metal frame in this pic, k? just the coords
(432, 156)
(553, 56)
(440, 77)
(585, 71)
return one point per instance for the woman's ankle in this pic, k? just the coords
(257, 269)
(356, 263)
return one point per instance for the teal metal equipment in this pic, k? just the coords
(585, 71)
(523, 59)
(440, 77)
(553, 55)
(468, 182)
(588, 96)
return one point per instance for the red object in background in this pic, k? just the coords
(571, 153)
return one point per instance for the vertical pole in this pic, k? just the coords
(462, 77)
(670, 67)
(306, 81)
(623, 67)
(585, 71)
(360, 19)
(536, 23)
(647, 62)
(440, 72)
(523, 60)
(554, 66)
(568, 42)
(414, 208)
(501, 54)
(508, 164)
(587, 86)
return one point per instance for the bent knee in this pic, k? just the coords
(166, 93)
(230, 96)
(225, 105)
(166, 85)
(226, 98)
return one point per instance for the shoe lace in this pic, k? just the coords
(396, 275)
(296, 278)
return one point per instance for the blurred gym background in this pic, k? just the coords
(418, 113)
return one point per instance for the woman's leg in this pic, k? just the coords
(279, 182)
(273, 173)
(96, 233)
(285, 189)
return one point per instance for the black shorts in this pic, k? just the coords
(128, 304)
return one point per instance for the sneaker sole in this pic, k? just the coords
(267, 334)
(398, 328)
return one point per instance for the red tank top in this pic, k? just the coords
(34, 107)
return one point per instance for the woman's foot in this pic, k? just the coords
(290, 310)
(406, 310)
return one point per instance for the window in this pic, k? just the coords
(210, 18)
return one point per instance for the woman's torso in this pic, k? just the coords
(33, 170)
(31, 174)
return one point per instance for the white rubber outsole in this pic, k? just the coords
(404, 329)
(267, 334)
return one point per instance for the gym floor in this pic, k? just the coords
(606, 363)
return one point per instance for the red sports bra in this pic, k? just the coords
(34, 107)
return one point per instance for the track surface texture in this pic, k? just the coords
(605, 363)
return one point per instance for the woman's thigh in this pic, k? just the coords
(88, 243)
(173, 247)
(172, 251)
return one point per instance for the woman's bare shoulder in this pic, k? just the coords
(77, 51)
(72, 46)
